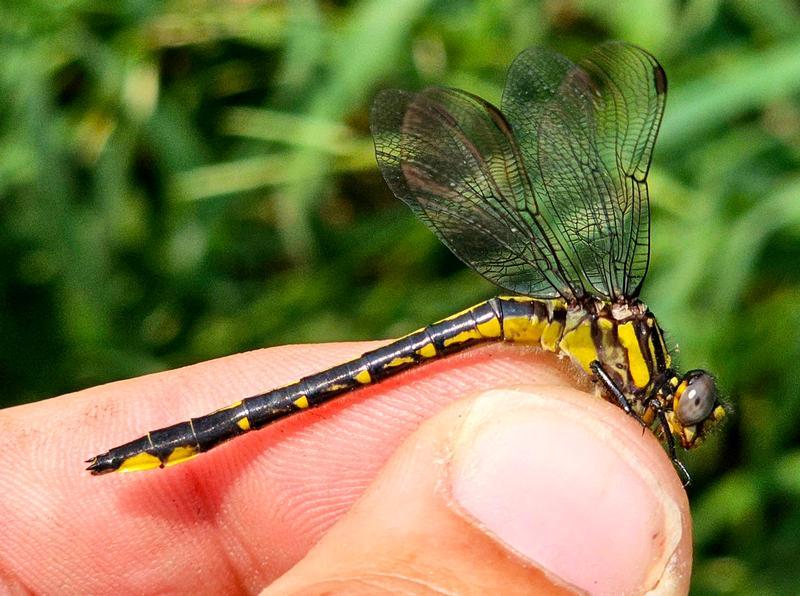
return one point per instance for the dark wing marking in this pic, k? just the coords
(587, 133)
(452, 158)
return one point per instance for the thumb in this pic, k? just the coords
(525, 490)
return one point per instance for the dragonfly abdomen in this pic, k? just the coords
(523, 320)
(550, 324)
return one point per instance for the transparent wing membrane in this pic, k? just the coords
(548, 197)
(452, 158)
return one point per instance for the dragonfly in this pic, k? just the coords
(547, 198)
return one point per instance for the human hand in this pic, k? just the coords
(522, 490)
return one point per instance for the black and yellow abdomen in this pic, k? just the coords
(629, 347)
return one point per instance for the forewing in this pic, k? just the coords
(587, 132)
(452, 158)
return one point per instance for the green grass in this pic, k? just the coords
(184, 181)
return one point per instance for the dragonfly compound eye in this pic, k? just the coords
(698, 398)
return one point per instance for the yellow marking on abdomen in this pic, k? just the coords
(490, 329)
(400, 361)
(336, 387)
(138, 462)
(640, 374)
(243, 423)
(460, 338)
(363, 377)
(579, 344)
(551, 335)
(524, 330)
(427, 351)
(301, 402)
(180, 454)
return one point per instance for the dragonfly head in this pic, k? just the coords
(696, 408)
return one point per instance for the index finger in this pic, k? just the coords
(238, 516)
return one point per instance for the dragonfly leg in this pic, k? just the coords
(683, 473)
(658, 408)
(660, 383)
(620, 398)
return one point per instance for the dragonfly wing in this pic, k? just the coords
(587, 132)
(452, 158)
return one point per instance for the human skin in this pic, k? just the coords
(485, 472)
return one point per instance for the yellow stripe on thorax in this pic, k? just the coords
(640, 373)
(613, 354)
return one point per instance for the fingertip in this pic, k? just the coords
(573, 485)
(544, 487)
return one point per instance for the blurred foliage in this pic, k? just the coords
(182, 180)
